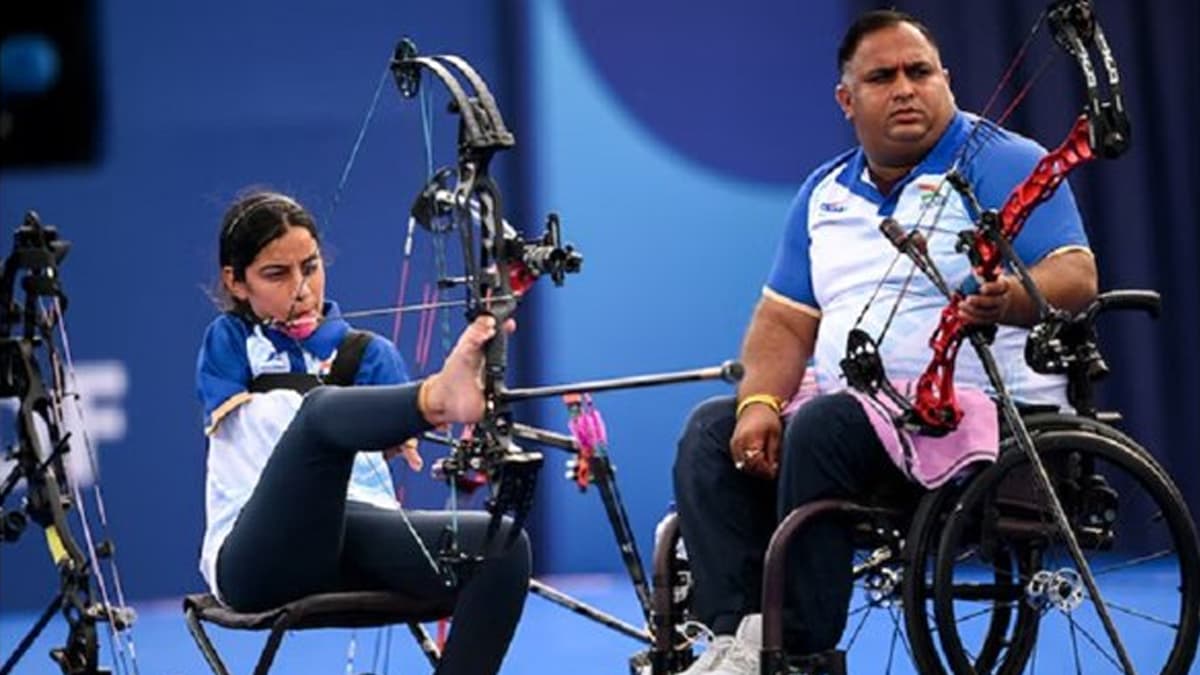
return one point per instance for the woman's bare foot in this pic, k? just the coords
(455, 393)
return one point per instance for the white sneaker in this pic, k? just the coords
(732, 654)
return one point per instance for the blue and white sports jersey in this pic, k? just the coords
(833, 256)
(243, 427)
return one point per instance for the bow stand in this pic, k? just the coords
(42, 441)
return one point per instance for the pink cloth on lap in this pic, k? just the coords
(930, 461)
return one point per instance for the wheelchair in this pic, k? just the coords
(975, 577)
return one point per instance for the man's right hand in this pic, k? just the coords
(755, 443)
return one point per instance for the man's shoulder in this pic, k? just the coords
(826, 171)
(830, 166)
(994, 143)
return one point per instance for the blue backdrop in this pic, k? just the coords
(200, 101)
(673, 137)
(670, 137)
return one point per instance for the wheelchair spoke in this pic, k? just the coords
(1088, 636)
(973, 656)
(899, 631)
(380, 635)
(891, 653)
(1075, 647)
(1134, 562)
(859, 610)
(974, 615)
(892, 649)
(1142, 615)
(387, 653)
(859, 627)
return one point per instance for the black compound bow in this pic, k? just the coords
(27, 344)
(499, 266)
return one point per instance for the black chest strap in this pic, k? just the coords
(341, 372)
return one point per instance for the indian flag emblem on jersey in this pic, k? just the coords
(932, 195)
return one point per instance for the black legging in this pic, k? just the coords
(298, 535)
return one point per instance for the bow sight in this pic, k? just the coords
(528, 259)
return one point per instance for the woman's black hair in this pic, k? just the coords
(256, 218)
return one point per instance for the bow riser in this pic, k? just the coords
(936, 404)
(1040, 185)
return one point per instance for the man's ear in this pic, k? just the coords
(841, 94)
(236, 288)
(946, 73)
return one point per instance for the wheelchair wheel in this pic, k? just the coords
(1000, 553)
(1002, 626)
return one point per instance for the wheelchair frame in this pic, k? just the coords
(894, 541)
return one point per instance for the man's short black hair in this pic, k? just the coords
(870, 22)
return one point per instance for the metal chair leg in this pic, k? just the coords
(428, 647)
(274, 641)
(205, 645)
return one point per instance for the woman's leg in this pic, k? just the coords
(287, 540)
(381, 553)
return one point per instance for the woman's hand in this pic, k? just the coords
(408, 449)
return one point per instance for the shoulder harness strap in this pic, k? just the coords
(341, 372)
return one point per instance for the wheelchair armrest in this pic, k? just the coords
(1068, 345)
(1147, 301)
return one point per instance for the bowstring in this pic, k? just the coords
(62, 368)
(424, 104)
(358, 141)
(380, 474)
(431, 293)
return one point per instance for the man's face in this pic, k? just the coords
(286, 282)
(897, 95)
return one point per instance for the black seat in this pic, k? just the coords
(359, 609)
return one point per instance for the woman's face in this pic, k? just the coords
(285, 284)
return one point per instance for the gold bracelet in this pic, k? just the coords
(773, 402)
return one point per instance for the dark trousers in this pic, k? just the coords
(726, 517)
(298, 535)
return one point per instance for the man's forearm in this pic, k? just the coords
(1068, 281)
(777, 347)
